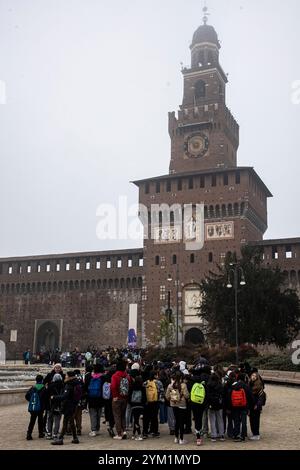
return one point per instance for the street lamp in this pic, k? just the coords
(236, 269)
(170, 279)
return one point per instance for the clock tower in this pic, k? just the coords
(205, 134)
(203, 171)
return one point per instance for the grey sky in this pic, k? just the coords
(89, 84)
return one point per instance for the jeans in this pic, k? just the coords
(171, 418)
(163, 413)
(216, 423)
(95, 415)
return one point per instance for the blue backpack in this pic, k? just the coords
(34, 404)
(95, 388)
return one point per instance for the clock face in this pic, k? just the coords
(196, 145)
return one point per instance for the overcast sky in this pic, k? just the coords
(88, 86)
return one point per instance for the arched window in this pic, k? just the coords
(174, 259)
(200, 89)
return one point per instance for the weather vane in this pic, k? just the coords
(205, 12)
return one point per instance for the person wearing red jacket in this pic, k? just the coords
(120, 384)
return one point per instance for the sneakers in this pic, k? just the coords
(176, 440)
(118, 438)
(133, 438)
(124, 435)
(29, 437)
(57, 442)
(213, 439)
(139, 438)
(75, 441)
(92, 434)
(155, 434)
(199, 441)
(182, 441)
(111, 432)
(254, 438)
(222, 438)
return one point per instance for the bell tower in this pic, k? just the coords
(205, 135)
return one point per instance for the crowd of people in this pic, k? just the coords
(135, 397)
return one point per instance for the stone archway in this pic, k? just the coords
(47, 337)
(193, 337)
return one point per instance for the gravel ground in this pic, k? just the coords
(280, 424)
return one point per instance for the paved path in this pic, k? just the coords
(280, 430)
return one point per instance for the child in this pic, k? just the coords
(36, 398)
(137, 400)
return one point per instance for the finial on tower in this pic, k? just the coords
(206, 14)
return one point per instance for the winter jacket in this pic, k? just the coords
(54, 389)
(67, 398)
(198, 379)
(94, 402)
(50, 375)
(41, 391)
(215, 395)
(184, 396)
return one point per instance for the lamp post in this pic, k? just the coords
(170, 279)
(236, 269)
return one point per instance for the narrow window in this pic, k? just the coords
(77, 265)
(158, 187)
(129, 264)
(214, 180)
(179, 184)
(168, 186)
(174, 259)
(202, 181)
(98, 264)
(141, 261)
(119, 263)
(57, 267)
(210, 257)
(191, 183)
(156, 260)
(108, 263)
(147, 188)
(225, 179)
(237, 177)
(192, 258)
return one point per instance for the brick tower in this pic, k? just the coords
(203, 169)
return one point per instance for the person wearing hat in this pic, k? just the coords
(54, 389)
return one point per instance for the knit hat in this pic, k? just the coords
(135, 366)
(56, 378)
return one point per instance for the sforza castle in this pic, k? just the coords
(93, 298)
